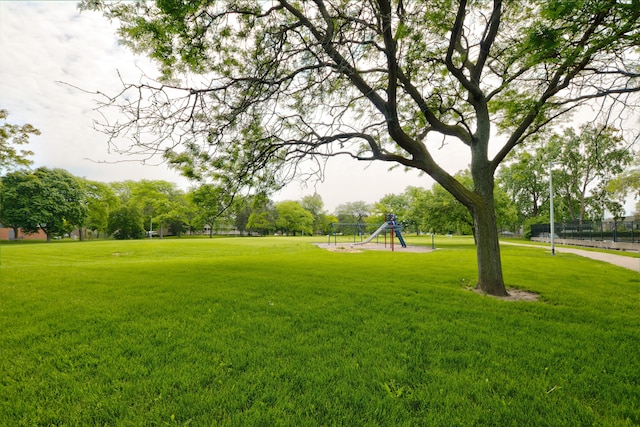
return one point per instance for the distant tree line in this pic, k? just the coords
(592, 171)
(592, 168)
(56, 202)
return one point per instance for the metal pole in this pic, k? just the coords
(392, 230)
(551, 228)
(151, 226)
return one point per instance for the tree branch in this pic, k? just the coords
(487, 41)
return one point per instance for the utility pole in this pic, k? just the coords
(551, 225)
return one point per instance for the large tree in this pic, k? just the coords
(101, 200)
(292, 217)
(211, 202)
(127, 222)
(583, 163)
(249, 87)
(263, 214)
(526, 180)
(160, 201)
(353, 212)
(51, 200)
(240, 211)
(15, 195)
(314, 204)
(587, 160)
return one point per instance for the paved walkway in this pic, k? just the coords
(622, 261)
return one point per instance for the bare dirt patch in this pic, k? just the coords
(356, 248)
(339, 248)
(514, 295)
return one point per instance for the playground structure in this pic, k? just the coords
(389, 224)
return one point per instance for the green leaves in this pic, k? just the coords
(12, 158)
(293, 218)
(211, 202)
(585, 160)
(543, 42)
(47, 199)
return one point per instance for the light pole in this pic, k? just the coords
(151, 226)
(551, 224)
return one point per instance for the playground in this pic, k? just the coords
(352, 237)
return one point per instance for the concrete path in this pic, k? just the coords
(622, 261)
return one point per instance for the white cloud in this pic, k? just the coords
(44, 43)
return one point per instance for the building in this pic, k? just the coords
(8, 234)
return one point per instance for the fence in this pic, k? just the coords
(624, 231)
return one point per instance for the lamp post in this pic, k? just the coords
(551, 224)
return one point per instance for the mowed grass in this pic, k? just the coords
(275, 331)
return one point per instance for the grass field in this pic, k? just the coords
(275, 331)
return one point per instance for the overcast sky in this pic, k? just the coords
(44, 43)
(48, 42)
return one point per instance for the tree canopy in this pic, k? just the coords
(51, 200)
(292, 217)
(587, 161)
(101, 201)
(251, 90)
(211, 202)
(587, 165)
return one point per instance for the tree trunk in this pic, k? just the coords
(490, 278)
(480, 203)
(483, 211)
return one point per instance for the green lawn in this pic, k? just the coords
(275, 331)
